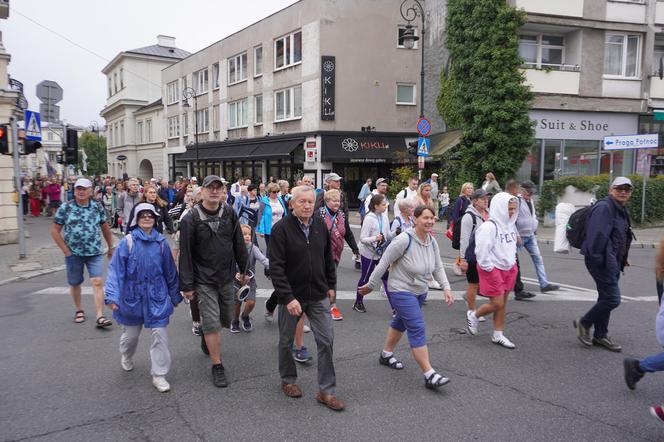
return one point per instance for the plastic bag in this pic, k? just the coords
(563, 212)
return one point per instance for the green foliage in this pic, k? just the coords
(95, 148)
(399, 180)
(484, 94)
(551, 190)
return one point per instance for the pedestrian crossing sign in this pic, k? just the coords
(423, 147)
(32, 126)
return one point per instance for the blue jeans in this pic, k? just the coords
(530, 244)
(409, 317)
(653, 363)
(608, 299)
(75, 267)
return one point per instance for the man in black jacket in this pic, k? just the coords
(608, 238)
(210, 244)
(303, 275)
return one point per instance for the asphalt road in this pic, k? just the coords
(63, 382)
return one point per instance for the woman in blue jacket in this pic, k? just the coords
(271, 210)
(142, 289)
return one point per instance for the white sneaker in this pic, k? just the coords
(433, 284)
(161, 384)
(482, 319)
(127, 363)
(269, 317)
(306, 328)
(503, 341)
(471, 323)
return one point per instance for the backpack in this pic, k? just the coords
(470, 256)
(576, 227)
(456, 230)
(130, 243)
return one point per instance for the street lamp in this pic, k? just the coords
(410, 10)
(188, 93)
(94, 128)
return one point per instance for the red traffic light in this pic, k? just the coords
(3, 131)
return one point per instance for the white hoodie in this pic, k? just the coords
(495, 242)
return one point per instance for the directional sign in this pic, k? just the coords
(631, 141)
(422, 147)
(32, 126)
(423, 127)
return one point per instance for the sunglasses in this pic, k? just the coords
(275, 191)
(146, 216)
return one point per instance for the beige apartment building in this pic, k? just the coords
(315, 87)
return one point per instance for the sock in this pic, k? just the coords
(473, 316)
(387, 354)
(497, 334)
(429, 373)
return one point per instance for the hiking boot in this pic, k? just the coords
(607, 343)
(218, 376)
(550, 288)
(633, 372)
(582, 333)
(523, 295)
(336, 314)
(246, 324)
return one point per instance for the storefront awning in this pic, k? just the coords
(444, 141)
(217, 153)
(257, 149)
(278, 150)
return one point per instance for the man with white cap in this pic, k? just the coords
(84, 223)
(608, 236)
(434, 191)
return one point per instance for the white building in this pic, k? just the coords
(133, 88)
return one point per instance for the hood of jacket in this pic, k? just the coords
(499, 213)
(139, 234)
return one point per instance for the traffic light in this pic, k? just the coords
(4, 139)
(71, 150)
(412, 148)
(58, 158)
(30, 146)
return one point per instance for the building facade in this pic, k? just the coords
(593, 65)
(133, 81)
(309, 89)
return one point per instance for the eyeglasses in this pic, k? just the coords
(146, 216)
(623, 189)
(275, 191)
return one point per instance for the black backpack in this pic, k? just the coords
(456, 229)
(470, 250)
(576, 227)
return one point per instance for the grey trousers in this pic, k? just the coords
(159, 353)
(318, 313)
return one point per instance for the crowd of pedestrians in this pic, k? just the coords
(198, 243)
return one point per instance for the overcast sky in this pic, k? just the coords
(106, 28)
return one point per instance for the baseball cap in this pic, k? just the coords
(333, 177)
(621, 181)
(193, 178)
(381, 180)
(479, 193)
(434, 174)
(529, 186)
(83, 182)
(212, 179)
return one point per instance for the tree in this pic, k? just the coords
(95, 148)
(484, 93)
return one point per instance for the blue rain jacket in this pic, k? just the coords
(143, 283)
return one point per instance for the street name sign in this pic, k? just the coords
(642, 141)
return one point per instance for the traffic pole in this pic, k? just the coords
(643, 192)
(17, 184)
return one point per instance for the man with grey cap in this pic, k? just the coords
(210, 244)
(381, 187)
(84, 223)
(608, 236)
(526, 225)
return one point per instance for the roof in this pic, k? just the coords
(156, 103)
(161, 51)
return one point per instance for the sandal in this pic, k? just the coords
(391, 362)
(103, 322)
(79, 316)
(429, 382)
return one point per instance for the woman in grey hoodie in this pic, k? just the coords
(413, 256)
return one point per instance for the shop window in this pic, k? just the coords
(530, 169)
(581, 158)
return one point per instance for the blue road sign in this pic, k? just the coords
(423, 127)
(32, 126)
(422, 147)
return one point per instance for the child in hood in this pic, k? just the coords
(495, 249)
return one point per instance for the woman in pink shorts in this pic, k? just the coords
(495, 250)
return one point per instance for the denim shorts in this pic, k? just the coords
(75, 264)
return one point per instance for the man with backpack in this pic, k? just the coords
(406, 192)
(607, 236)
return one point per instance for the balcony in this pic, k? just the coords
(553, 79)
(656, 88)
(630, 11)
(659, 13)
(567, 8)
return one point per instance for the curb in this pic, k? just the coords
(30, 275)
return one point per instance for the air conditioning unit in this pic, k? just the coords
(4, 8)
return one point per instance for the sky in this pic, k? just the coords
(95, 31)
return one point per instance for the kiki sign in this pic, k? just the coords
(327, 77)
(581, 125)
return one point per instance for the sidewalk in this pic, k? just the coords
(43, 256)
(645, 238)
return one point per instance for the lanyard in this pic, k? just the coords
(380, 223)
(330, 213)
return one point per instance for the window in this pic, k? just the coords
(237, 68)
(215, 76)
(288, 50)
(202, 121)
(621, 55)
(139, 132)
(258, 61)
(288, 104)
(110, 136)
(215, 117)
(658, 54)
(542, 50)
(172, 92)
(201, 81)
(258, 109)
(110, 86)
(405, 93)
(122, 134)
(185, 123)
(401, 30)
(115, 82)
(173, 127)
(49, 136)
(121, 78)
(148, 131)
(237, 114)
